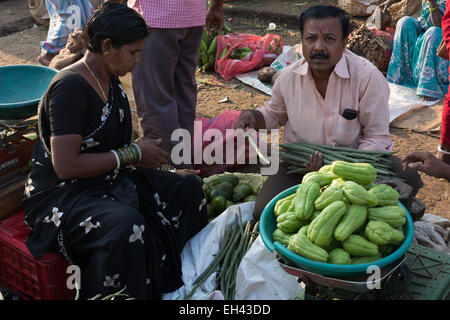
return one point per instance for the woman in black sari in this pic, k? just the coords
(92, 194)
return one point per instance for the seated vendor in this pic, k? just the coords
(414, 62)
(92, 194)
(331, 97)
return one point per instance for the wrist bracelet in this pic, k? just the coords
(129, 155)
(433, 8)
(117, 159)
(138, 150)
(442, 151)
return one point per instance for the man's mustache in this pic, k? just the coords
(319, 55)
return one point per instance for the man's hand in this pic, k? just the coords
(247, 119)
(315, 162)
(152, 155)
(214, 17)
(427, 163)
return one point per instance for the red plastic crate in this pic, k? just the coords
(43, 279)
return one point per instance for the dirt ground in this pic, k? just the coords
(23, 48)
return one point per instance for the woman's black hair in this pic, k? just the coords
(322, 12)
(114, 21)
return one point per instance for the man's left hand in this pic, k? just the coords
(315, 162)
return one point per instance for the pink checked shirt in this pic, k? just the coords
(354, 84)
(168, 14)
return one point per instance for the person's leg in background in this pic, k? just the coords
(185, 82)
(154, 87)
(430, 71)
(400, 69)
(164, 83)
(65, 16)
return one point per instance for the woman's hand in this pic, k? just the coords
(427, 163)
(152, 155)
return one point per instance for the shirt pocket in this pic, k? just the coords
(345, 132)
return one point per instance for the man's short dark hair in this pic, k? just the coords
(322, 12)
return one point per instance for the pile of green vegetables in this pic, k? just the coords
(208, 49)
(296, 154)
(225, 191)
(237, 240)
(338, 215)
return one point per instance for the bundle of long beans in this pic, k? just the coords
(237, 240)
(297, 154)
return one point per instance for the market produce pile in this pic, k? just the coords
(224, 190)
(366, 43)
(297, 154)
(208, 49)
(338, 215)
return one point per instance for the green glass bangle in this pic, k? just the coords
(128, 155)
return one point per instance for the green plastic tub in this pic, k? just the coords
(267, 226)
(22, 87)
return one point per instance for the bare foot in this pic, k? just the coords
(46, 58)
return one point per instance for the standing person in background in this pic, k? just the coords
(444, 147)
(164, 85)
(414, 62)
(65, 16)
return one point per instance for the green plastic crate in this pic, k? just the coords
(430, 269)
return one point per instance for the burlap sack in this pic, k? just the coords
(404, 8)
(39, 12)
(359, 8)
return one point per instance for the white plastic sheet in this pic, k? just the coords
(258, 277)
(433, 232)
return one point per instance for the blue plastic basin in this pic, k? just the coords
(21, 88)
(267, 226)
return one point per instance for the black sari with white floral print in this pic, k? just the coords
(126, 228)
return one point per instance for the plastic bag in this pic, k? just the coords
(224, 123)
(264, 51)
(259, 276)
